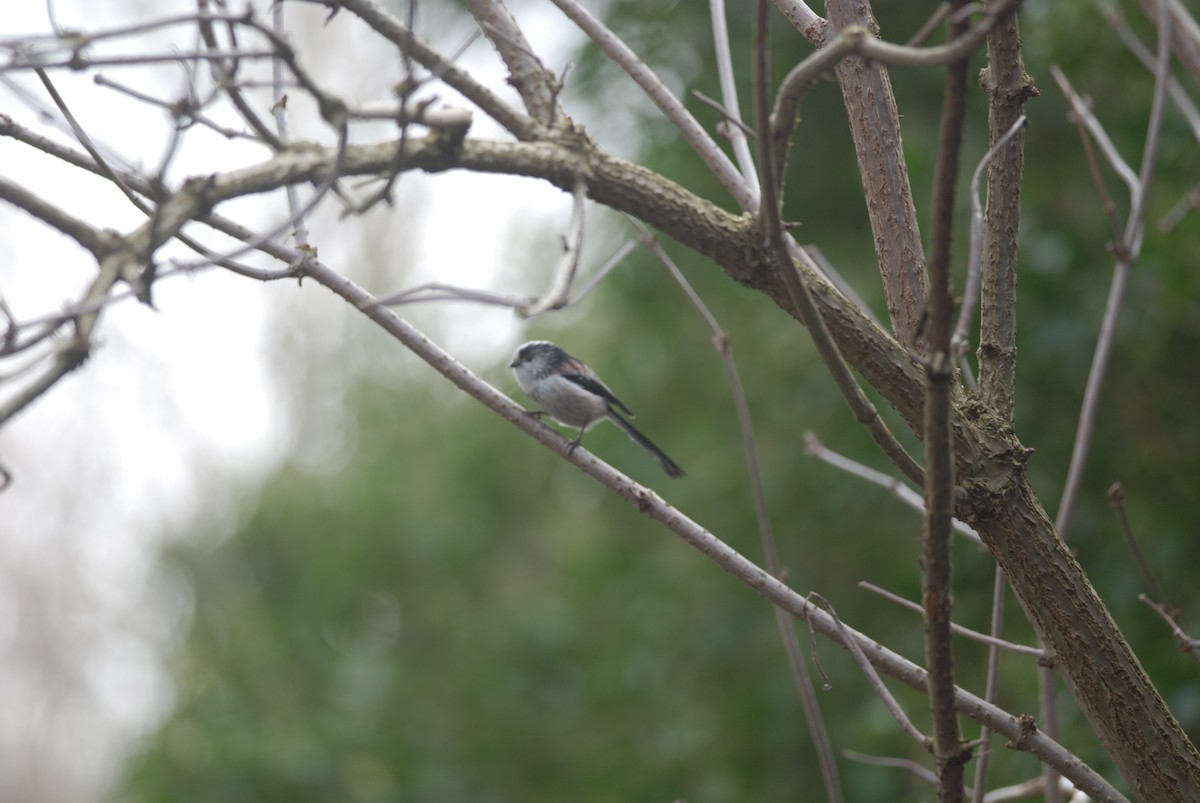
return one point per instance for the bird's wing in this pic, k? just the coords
(594, 385)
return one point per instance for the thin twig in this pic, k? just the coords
(169, 106)
(787, 631)
(93, 239)
(970, 297)
(438, 291)
(1116, 499)
(719, 107)
(929, 26)
(919, 770)
(1083, 113)
(730, 107)
(594, 280)
(992, 684)
(936, 592)
(279, 108)
(563, 277)
(384, 23)
(144, 59)
(1184, 31)
(897, 487)
(874, 680)
(974, 635)
(1183, 101)
(1186, 642)
(1126, 256)
(668, 104)
(50, 114)
(812, 253)
(1182, 208)
(83, 139)
(73, 42)
(1137, 223)
(224, 72)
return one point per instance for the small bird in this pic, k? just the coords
(571, 393)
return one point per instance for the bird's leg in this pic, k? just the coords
(573, 445)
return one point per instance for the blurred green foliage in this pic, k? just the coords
(455, 614)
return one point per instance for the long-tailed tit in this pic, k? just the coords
(571, 393)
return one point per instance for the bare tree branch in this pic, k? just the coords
(1183, 102)
(1186, 642)
(771, 224)
(537, 85)
(875, 129)
(897, 487)
(876, 682)
(991, 640)
(91, 238)
(279, 107)
(936, 595)
(555, 296)
(1183, 29)
(966, 313)
(670, 106)
(999, 586)
(1127, 254)
(379, 20)
(803, 19)
(1116, 500)
(730, 107)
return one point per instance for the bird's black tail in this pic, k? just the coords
(669, 465)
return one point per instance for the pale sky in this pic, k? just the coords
(178, 406)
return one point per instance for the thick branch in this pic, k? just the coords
(803, 19)
(1112, 688)
(875, 128)
(771, 224)
(527, 73)
(1008, 87)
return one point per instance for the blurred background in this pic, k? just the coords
(255, 551)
